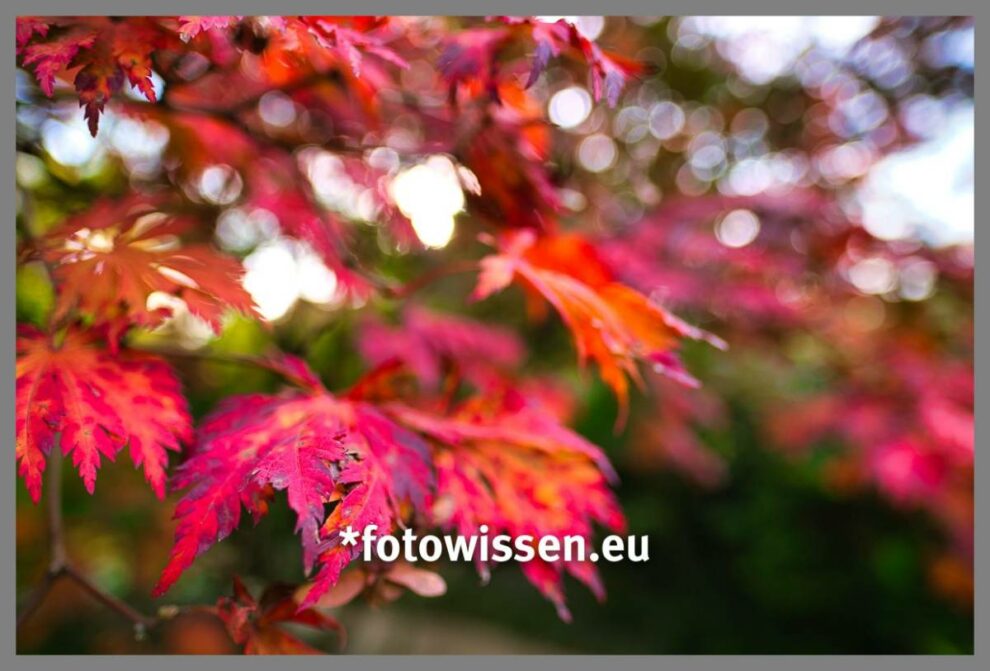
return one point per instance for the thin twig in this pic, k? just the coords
(59, 565)
(429, 277)
(56, 530)
(37, 597)
(215, 357)
(56, 542)
(108, 600)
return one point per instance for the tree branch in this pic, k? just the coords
(60, 567)
(56, 542)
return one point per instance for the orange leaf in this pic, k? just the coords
(121, 261)
(254, 624)
(612, 324)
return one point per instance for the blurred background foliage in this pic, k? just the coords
(755, 547)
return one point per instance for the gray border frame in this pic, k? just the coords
(11, 9)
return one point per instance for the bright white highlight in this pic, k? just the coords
(917, 279)
(666, 120)
(69, 142)
(738, 228)
(873, 275)
(430, 195)
(927, 189)
(597, 152)
(764, 47)
(281, 272)
(277, 109)
(220, 184)
(569, 107)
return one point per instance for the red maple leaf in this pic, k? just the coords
(254, 623)
(516, 191)
(427, 342)
(52, 56)
(345, 38)
(105, 52)
(394, 469)
(191, 26)
(503, 460)
(612, 324)
(27, 27)
(92, 404)
(471, 57)
(110, 260)
(350, 36)
(608, 72)
(317, 447)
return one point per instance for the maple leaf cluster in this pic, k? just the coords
(446, 427)
(403, 446)
(103, 54)
(500, 459)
